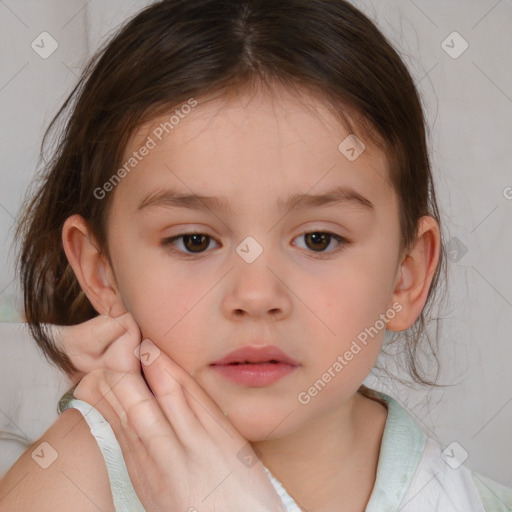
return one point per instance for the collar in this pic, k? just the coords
(402, 446)
(401, 451)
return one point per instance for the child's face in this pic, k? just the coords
(309, 296)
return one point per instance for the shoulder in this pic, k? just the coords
(495, 497)
(62, 471)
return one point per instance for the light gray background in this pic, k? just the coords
(468, 104)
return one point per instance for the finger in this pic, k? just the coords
(88, 343)
(101, 329)
(163, 370)
(93, 389)
(106, 388)
(139, 463)
(142, 413)
(176, 408)
(96, 390)
(123, 353)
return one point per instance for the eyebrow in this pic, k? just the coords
(174, 199)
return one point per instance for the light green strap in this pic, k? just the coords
(495, 497)
(123, 494)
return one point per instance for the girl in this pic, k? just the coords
(244, 186)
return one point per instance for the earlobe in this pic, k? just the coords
(91, 268)
(416, 273)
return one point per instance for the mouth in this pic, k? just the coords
(255, 366)
(254, 354)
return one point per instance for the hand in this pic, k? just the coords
(100, 343)
(179, 448)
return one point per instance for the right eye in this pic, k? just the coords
(194, 243)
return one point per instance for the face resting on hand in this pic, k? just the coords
(295, 245)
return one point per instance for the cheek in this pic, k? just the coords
(352, 298)
(348, 307)
(166, 306)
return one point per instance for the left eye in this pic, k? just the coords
(319, 240)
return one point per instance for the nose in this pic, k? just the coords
(256, 290)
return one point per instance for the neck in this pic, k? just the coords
(330, 458)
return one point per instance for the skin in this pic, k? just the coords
(252, 149)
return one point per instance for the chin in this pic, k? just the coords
(256, 428)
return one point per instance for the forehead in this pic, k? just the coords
(248, 146)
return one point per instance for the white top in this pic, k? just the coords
(413, 475)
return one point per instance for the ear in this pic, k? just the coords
(415, 274)
(91, 268)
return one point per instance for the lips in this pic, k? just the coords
(255, 366)
(252, 354)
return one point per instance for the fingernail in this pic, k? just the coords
(148, 352)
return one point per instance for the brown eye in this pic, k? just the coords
(196, 242)
(318, 241)
(192, 243)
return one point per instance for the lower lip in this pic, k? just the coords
(255, 375)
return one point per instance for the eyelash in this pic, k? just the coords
(167, 243)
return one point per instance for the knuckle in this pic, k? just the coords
(142, 406)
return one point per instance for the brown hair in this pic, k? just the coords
(177, 49)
